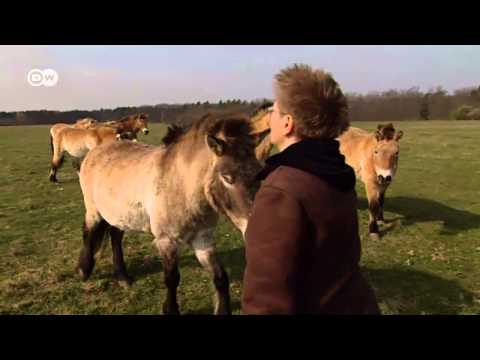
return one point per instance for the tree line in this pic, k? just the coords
(391, 106)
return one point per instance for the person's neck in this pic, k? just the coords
(287, 142)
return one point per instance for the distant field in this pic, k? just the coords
(428, 261)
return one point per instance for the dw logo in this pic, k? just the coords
(47, 77)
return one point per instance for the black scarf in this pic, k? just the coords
(318, 157)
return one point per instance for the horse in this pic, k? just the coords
(374, 157)
(77, 142)
(132, 123)
(174, 191)
(260, 119)
(85, 123)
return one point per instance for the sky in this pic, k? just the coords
(94, 77)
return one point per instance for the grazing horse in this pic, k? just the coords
(374, 157)
(174, 191)
(132, 123)
(77, 142)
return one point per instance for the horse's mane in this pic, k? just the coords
(129, 117)
(264, 106)
(233, 126)
(387, 131)
(174, 132)
(84, 120)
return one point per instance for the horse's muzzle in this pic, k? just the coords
(384, 180)
(146, 131)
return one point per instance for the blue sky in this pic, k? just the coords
(93, 77)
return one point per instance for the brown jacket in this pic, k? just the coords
(303, 249)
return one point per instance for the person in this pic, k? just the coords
(302, 241)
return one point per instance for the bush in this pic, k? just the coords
(474, 114)
(462, 113)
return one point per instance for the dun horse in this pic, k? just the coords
(85, 123)
(260, 119)
(175, 192)
(374, 157)
(77, 142)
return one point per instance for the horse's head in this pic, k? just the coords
(126, 135)
(86, 123)
(260, 128)
(141, 123)
(231, 183)
(386, 153)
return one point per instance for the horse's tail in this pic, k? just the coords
(57, 162)
(51, 143)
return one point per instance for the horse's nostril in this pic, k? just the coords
(388, 178)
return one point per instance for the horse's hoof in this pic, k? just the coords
(374, 236)
(170, 309)
(82, 274)
(223, 312)
(124, 281)
(126, 284)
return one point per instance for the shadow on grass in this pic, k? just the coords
(416, 210)
(233, 260)
(208, 310)
(408, 291)
(138, 268)
(401, 290)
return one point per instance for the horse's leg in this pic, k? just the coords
(94, 229)
(373, 208)
(116, 236)
(76, 162)
(381, 199)
(168, 252)
(205, 252)
(57, 159)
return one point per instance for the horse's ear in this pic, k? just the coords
(379, 135)
(398, 135)
(218, 146)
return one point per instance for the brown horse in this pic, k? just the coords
(132, 123)
(174, 191)
(374, 157)
(77, 142)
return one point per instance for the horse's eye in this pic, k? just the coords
(375, 152)
(228, 178)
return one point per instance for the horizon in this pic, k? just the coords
(107, 77)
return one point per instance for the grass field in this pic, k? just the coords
(427, 262)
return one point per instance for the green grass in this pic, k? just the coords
(427, 262)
